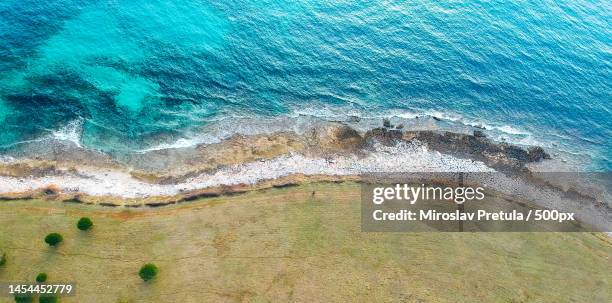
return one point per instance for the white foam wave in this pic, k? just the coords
(510, 130)
(71, 132)
(301, 119)
(454, 117)
(404, 157)
(327, 112)
(7, 159)
(180, 143)
(407, 115)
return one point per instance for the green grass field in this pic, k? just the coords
(283, 245)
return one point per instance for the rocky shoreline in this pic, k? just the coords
(331, 153)
(324, 145)
(327, 141)
(173, 166)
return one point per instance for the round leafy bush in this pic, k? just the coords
(23, 299)
(48, 300)
(2, 259)
(41, 277)
(53, 239)
(148, 272)
(84, 223)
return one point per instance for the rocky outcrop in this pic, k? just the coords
(501, 156)
(336, 138)
(384, 135)
(387, 123)
(479, 134)
(324, 141)
(30, 169)
(536, 153)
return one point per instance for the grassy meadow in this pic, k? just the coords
(286, 245)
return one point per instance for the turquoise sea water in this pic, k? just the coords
(125, 75)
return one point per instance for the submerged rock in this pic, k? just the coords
(502, 156)
(536, 154)
(479, 134)
(384, 135)
(354, 119)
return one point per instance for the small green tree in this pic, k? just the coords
(41, 277)
(2, 259)
(53, 239)
(23, 299)
(48, 300)
(84, 223)
(148, 272)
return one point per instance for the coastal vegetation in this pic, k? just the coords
(41, 277)
(53, 239)
(84, 223)
(148, 272)
(50, 299)
(23, 299)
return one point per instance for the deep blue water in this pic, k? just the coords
(127, 71)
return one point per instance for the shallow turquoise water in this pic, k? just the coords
(126, 75)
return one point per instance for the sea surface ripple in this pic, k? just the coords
(130, 75)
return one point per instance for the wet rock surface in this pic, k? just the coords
(502, 156)
(479, 134)
(177, 165)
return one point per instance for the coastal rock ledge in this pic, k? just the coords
(54, 176)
